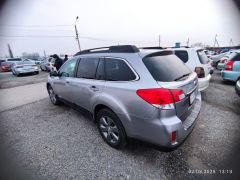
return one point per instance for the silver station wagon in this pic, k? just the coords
(142, 93)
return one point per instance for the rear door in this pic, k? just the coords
(62, 84)
(89, 82)
(171, 73)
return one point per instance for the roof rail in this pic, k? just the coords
(152, 47)
(110, 49)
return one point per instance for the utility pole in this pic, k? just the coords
(77, 38)
(10, 51)
(159, 40)
(44, 53)
(216, 41)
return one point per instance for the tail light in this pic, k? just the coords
(200, 72)
(161, 98)
(229, 66)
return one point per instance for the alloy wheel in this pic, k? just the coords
(109, 130)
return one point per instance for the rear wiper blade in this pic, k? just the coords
(181, 77)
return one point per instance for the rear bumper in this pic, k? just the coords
(230, 75)
(203, 83)
(6, 69)
(159, 131)
(27, 71)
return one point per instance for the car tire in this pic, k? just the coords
(53, 97)
(111, 128)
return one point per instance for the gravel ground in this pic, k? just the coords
(42, 141)
(8, 80)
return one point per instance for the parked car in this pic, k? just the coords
(197, 61)
(209, 53)
(130, 92)
(237, 88)
(24, 67)
(6, 66)
(216, 58)
(223, 61)
(231, 70)
(29, 60)
(48, 65)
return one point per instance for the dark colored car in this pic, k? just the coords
(6, 66)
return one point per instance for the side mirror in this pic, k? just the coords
(54, 73)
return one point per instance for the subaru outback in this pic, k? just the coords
(146, 94)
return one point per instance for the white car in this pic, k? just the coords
(196, 60)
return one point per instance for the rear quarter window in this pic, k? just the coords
(236, 57)
(183, 55)
(202, 57)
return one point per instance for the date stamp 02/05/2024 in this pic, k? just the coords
(210, 171)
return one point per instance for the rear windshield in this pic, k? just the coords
(15, 59)
(6, 63)
(231, 56)
(166, 68)
(202, 57)
(25, 62)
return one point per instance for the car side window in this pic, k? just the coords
(237, 58)
(67, 70)
(118, 70)
(183, 55)
(87, 68)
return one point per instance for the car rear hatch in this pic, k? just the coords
(172, 74)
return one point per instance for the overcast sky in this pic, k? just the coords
(35, 25)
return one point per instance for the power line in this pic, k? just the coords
(36, 36)
(58, 25)
(53, 36)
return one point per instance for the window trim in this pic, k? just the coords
(121, 59)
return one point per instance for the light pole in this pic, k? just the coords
(77, 38)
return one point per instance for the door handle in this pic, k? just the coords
(94, 88)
